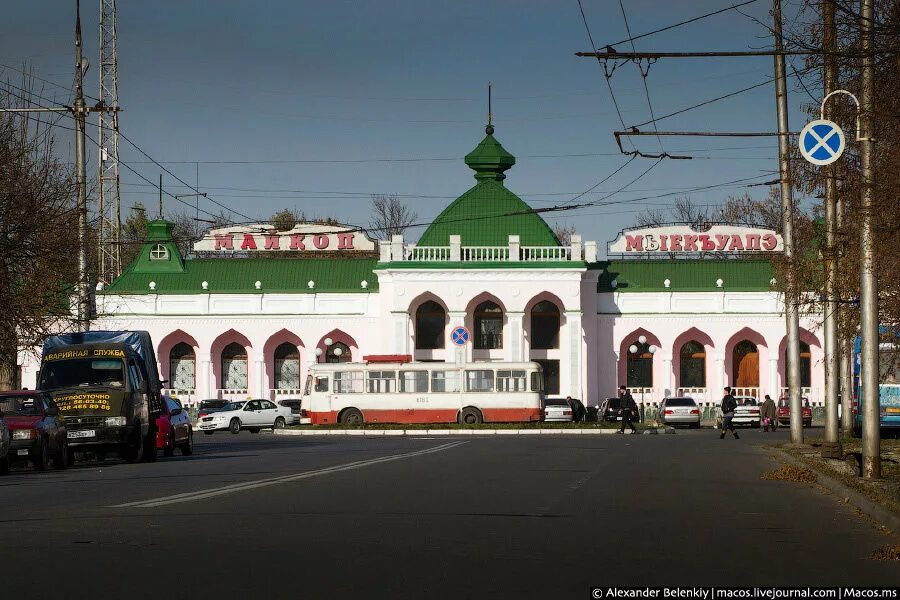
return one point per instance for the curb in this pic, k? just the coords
(870, 508)
(396, 432)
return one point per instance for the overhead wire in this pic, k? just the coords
(631, 38)
(644, 74)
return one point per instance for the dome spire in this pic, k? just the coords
(489, 159)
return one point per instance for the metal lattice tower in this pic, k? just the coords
(109, 206)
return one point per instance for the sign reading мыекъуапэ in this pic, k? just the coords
(683, 239)
(302, 237)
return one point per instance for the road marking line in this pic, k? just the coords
(250, 485)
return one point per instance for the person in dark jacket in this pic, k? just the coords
(768, 412)
(729, 404)
(629, 409)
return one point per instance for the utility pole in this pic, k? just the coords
(787, 213)
(831, 448)
(868, 286)
(80, 111)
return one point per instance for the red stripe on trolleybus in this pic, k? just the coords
(439, 415)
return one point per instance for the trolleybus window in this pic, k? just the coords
(321, 383)
(445, 381)
(537, 381)
(381, 382)
(480, 381)
(348, 382)
(414, 381)
(511, 381)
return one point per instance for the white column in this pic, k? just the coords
(667, 369)
(773, 379)
(260, 382)
(401, 332)
(205, 386)
(458, 354)
(397, 248)
(573, 321)
(514, 246)
(516, 336)
(575, 243)
(455, 248)
(720, 377)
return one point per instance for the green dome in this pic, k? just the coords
(488, 213)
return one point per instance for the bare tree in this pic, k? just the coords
(564, 233)
(38, 235)
(389, 216)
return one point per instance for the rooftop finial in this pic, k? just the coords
(490, 128)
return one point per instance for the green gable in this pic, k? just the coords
(638, 275)
(487, 214)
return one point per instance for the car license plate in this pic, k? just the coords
(893, 409)
(82, 433)
(23, 452)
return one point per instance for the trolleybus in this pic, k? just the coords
(392, 389)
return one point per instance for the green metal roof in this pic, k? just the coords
(638, 275)
(487, 214)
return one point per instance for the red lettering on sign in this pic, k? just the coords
(634, 243)
(721, 241)
(752, 241)
(736, 243)
(676, 241)
(272, 241)
(224, 241)
(249, 242)
(769, 242)
(297, 241)
(320, 241)
(706, 243)
(345, 241)
(690, 242)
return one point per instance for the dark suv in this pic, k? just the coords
(611, 410)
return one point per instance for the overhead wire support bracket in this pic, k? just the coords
(612, 54)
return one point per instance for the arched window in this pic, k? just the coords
(338, 352)
(488, 326)
(544, 326)
(182, 367)
(692, 371)
(639, 371)
(430, 322)
(805, 365)
(159, 252)
(234, 367)
(745, 362)
(287, 367)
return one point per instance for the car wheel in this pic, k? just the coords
(235, 426)
(352, 416)
(187, 448)
(61, 460)
(131, 454)
(208, 432)
(470, 416)
(169, 449)
(41, 458)
(279, 423)
(4, 465)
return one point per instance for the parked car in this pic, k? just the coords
(4, 445)
(173, 429)
(557, 410)
(210, 406)
(37, 433)
(292, 405)
(747, 411)
(252, 415)
(679, 411)
(611, 410)
(784, 412)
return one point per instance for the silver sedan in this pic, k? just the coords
(679, 411)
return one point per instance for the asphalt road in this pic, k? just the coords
(457, 517)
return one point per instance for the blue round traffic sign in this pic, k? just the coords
(459, 336)
(822, 142)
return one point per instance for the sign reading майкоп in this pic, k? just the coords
(683, 239)
(304, 236)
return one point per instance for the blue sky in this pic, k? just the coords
(367, 81)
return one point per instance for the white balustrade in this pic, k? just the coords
(546, 253)
(185, 396)
(232, 394)
(485, 253)
(428, 253)
(510, 253)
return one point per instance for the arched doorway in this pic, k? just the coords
(639, 365)
(234, 367)
(182, 367)
(287, 367)
(745, 362)
(692, 369)
(545, 326)
(431, 319)
(488, 326)
(805, 365)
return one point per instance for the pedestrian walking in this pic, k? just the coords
(769, 414)
(729, 404)
(629, 409)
